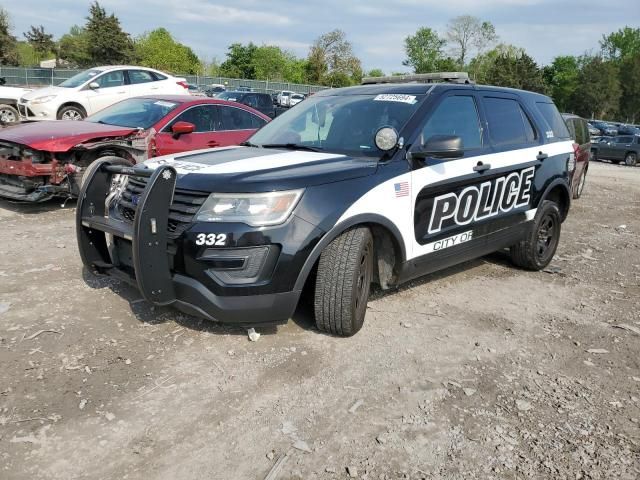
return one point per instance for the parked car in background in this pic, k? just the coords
(295, 99)
(9, 97)
(259, 101)
(579, 130)
(605, 128)
(95, 89)
(628, 130)
(593, 131)
(214, 89)
(284, 97)
(46, 159)
(244, 88)
(625, 148)
(195, 90)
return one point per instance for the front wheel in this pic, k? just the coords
(343, 282)
(8, 114)
(631, 159)
(536, 250)
(71, 112)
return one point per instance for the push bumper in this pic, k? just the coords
(149, 268)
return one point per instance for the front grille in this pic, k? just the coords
(185, 205)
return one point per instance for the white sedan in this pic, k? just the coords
(95, 89)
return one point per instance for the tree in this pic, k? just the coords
(331, 61)
(376, 72)
(42, 42)
(8, 44)
(621, 44)
(74, 47)
(598, 92)
(108, 44)
(158, 49)
(630, 85)
(269, 62)
(239, 62)
(466, 32)
(562, 78)
(516, 71)
(424, 51)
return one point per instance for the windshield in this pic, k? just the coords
(80, 78)
(134, 113)
(338, 124)
(231, 96)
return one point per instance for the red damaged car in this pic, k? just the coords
(46, 159)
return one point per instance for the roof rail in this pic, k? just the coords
(450, 77)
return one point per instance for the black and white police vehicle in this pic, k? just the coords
(382, 183)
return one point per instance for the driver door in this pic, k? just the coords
(112, 89)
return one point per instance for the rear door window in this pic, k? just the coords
(557, 127)
(140, 76)
(508, 123)
(232, 118)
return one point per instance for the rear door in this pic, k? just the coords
(464, 207)
(621, 147)
(143, 82)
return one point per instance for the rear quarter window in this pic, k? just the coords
(557, 127)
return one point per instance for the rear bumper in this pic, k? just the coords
(145, 264)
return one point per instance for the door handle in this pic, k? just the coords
(123, 91)
(541, 156)
(213, 143)
(481, 167)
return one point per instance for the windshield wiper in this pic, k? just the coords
(291, 146)
(248, 144)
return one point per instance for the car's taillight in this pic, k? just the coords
(183, 85)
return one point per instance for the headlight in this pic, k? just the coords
(255, 209)
(45, 99)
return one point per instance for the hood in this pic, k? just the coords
(43, 92)
(248, 169)
(60, 135)
(13, 93)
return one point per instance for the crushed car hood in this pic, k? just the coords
(247, 169)
(59, 135)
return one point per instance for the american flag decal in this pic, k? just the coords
(401, 189)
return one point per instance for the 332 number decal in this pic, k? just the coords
(217, 239)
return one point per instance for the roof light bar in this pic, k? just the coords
(451, 77)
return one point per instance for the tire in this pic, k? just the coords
(343, 281)
(538, 247)
(72, 112)
(93, 165)
(631, 159)
(581, 183)
(8, 114)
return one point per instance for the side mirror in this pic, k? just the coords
(94, 85)
(440, 146)
(181, 128)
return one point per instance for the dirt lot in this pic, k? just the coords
(481, 371)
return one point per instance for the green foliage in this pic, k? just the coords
(108, 44)
(239, 62)
(8, 44)
(598, 91)
(424, 50)
(519, 71)
(27, 55)
(376, 72)
(630, 85)
(331, 61)
(42, 42)
(158, 49)
(562, 79)
(622, 44)
(483, 64)
(74, 48)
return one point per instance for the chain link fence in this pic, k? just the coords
(40, 77)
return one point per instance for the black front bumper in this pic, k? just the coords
(149, 267)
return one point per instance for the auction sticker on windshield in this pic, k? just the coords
(389, 97)
(162, 103)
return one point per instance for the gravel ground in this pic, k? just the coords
(480, 371)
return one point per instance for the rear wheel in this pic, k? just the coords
(536, 250)
(8, 114)
(343, 282)
(581, 183)
(631, 159)
(71, 112)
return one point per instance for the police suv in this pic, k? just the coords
(382, 183)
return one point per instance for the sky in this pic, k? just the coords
(376, 28)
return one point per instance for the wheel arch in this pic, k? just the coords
(389, 249)
(71, 104)
(559, 192)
